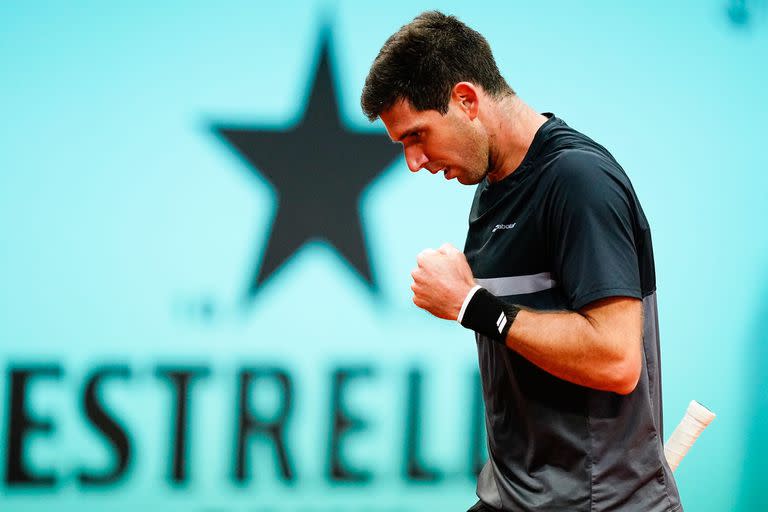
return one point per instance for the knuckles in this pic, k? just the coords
(424, 256)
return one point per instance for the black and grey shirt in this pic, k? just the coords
(563, 230)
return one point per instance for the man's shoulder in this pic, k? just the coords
(583, 166)
(567, 148)
(584, 178)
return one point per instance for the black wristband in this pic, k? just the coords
(490, 316)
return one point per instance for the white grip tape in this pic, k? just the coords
(696, 419)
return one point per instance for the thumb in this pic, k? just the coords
(447, 248)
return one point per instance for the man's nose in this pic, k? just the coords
(415, 158)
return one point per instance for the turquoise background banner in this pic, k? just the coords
(158, 352)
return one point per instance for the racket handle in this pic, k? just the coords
(696, 419)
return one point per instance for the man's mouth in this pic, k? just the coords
(445, 170)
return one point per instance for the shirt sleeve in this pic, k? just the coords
(589, 226)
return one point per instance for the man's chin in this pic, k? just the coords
(468, 180)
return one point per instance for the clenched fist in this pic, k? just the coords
(441, 281)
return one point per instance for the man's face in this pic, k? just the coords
(452, 143)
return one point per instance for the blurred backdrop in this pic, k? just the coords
(205, 248)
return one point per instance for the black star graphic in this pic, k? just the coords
(318, 169)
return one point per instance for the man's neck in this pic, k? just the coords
(513, 125)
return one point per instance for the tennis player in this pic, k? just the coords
(556, 279)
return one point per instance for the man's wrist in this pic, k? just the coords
(486, 314)
(464, 305)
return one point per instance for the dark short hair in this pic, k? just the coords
(422, 62)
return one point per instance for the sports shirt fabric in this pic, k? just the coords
(561, 231)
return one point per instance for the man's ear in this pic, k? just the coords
(466, 96)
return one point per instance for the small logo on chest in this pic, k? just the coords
(503, 226)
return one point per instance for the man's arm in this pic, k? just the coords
(598, 346)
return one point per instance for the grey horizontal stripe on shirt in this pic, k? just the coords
(518, 285)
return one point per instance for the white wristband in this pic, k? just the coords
(468, 298)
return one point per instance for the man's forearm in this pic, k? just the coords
(599, 346)
(580, 348)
